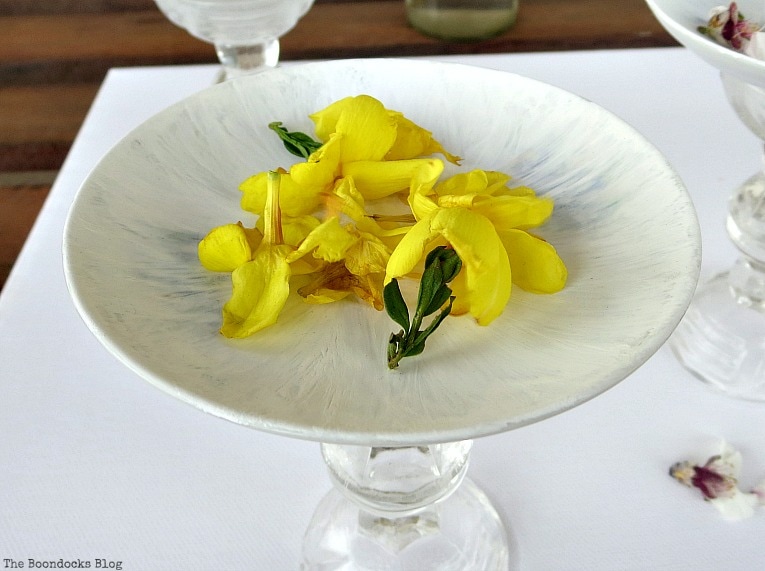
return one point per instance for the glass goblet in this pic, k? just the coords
(245, 32)
(722, 338)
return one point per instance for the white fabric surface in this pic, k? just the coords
(97, 464)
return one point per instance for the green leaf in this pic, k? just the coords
(451, 264)
(432, 279)
(415, 349)
(438, 300)
(395, 305)
(297, 143)
(437, 321)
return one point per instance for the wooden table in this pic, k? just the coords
(54, 54)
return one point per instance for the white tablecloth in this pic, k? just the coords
(98, 467)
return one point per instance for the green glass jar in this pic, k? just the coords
(461, 20)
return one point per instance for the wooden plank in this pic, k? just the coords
(18, 7)
(81, 47)
(43, 112)
(26, 7)
(38, 124)
(19, 206)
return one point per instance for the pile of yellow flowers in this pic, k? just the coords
(365, 207)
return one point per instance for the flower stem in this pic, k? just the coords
(441, 266)
(272, 222)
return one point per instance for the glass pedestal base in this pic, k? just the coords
(458, 533)
(721, 340)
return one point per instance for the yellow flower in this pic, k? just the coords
(329, 241)
(355, 264)
(374, 133)
(485, 222)
(483, 286)
(368, 131)
(260, 286)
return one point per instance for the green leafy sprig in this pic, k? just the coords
(441, 266)
(297, 143)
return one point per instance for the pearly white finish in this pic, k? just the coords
(624, 225)
(681, 18)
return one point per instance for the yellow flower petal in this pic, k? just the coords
(335, 282)
(487, 279)
(323, 296)
(369, 255)
(260, 290)
(367, 128)
(321, 168)
(507, 212)
(537, 268)
(413, 141)
(473, 182)
(463, 200)
(484, 260)
(329, 241)
(515, 191)
(410, 250)
(369, 131)
(325, 121)
(496, 181)
(480, 182)
(346, 199)
(296, 228)
(377, 179)
(225, 248)
(294, 199)
(422, 185)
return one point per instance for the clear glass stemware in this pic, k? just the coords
(406, 508)
(722, 337)
(245, 33)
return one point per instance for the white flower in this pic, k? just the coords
(729, 27)
(717, 480)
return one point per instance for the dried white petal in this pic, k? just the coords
(756, 46)
(736, 507)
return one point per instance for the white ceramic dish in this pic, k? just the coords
(624, 225)
(681, 18)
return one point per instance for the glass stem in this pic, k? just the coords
(397, 481)
(746, 227)
(404, 508)
(243, 59)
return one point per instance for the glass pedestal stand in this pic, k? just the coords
(403, 509)
(722, 337)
